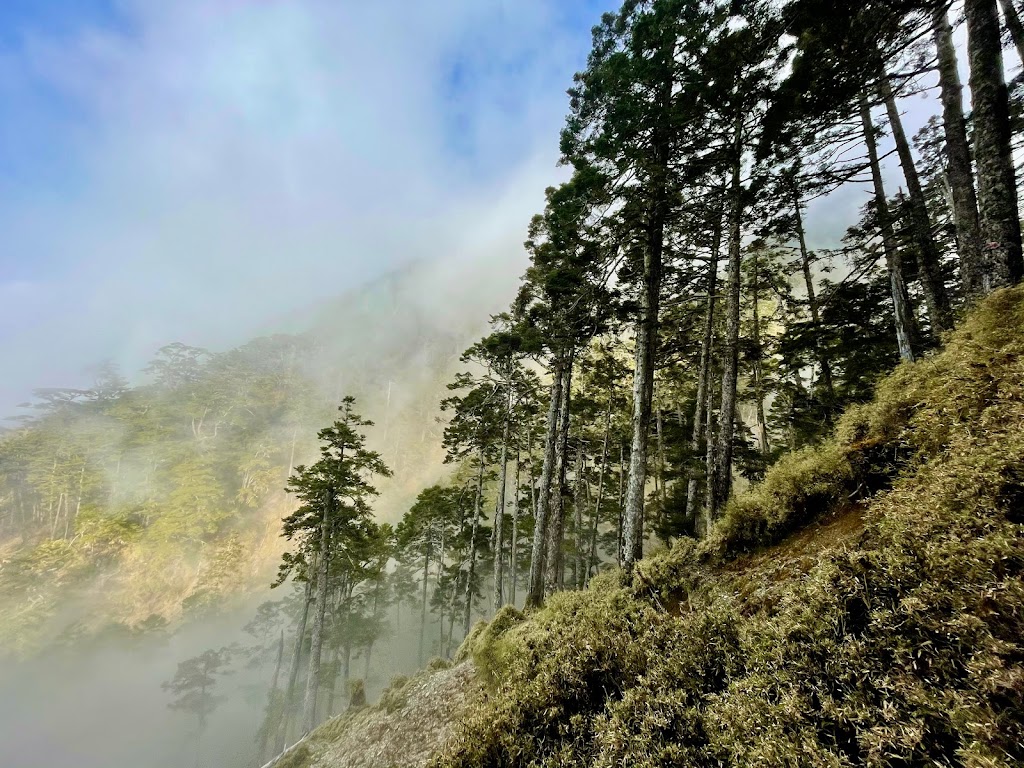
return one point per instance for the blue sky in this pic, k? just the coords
(192, 170)
(197, 170)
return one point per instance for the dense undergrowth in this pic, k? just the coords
(904, 649)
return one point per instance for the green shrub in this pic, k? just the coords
(297, 758)
(800, 487)
(437, 664)
(395, 695)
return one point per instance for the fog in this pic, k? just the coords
(208, 171)
(198, 170)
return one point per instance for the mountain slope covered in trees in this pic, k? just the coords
(675, 340)
(859, 606)
(679, 371)
(123, 508)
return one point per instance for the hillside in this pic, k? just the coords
(127, 507)
(863, 605)
(413, 720)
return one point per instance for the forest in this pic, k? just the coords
(674, 345)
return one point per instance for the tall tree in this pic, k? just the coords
(997, 186)
(333, 520)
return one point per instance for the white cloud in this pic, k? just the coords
(238, 160)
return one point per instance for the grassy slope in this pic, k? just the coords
(411, 722)
(888, 633)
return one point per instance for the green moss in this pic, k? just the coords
(438, 664)
(395, 695)
(299, 757)
(465, 650)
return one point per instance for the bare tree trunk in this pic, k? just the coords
(423, 606)
(319, 614)
(555, 560)
(471, 570)
(579, 501)
(273, 706)
(535, 591)
(997, 186)
(369, 647)
(704, 374)
(762, 424)
(1014, 26)
(332, 682)
(592, 556)
(622, 491)
(929, 258)
(513, 565)
(812, 297)
(903, 315)
(660, 433)
(643, 392)
(440, 618)
(959, 171)
(722, 467)
(499, 508)
(293, 675)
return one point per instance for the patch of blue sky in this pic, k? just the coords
(39, 121)
(506, 69)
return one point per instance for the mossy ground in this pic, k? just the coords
(892, 634)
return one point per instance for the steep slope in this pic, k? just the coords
(891, 636)
(136, 506)
(412, 721)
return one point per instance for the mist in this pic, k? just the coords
(212, 172)
(202, 171)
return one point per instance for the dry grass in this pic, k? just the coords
(412, 721)
(890, 636)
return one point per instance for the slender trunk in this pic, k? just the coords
(535, 591)
(440, 618)
(705, 522)
(291, 455)
(534, 490)
(293, 674)
(579, 562)
(423, 606)
(474, 527)
(346, 669)
(812, 298)
(273, 706)
(373, 628)
(622, 495)
(722, 467)
(959, 172)
(762, 424)
(928, 255)
(902, 314)
(643, 384)
(592, 556)
(660, 432)
(1014, 26)
(513, 565)
(319, 614)
(332, 682)
(704, 374)
(647, 325)
(68, 523)
(499, 508)
(997, 186)
(554, 559)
